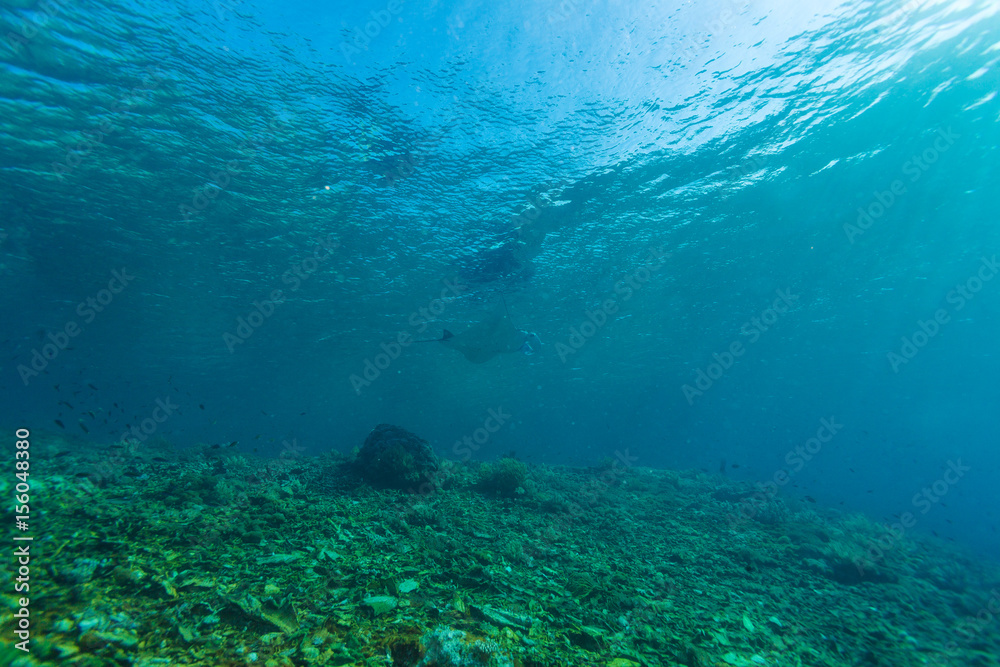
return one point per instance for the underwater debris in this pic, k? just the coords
(268, 566)
(379, 604)
(502, 618)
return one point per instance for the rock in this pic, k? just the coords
(127, 575)
(392, 457)
(503, 618)
(282, 615)
(379, 604)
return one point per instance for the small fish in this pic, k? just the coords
(84, 427)
(67, 404)
(234, 443)
(201, 405)
(59, 424)
(92, 386)
(810, 499)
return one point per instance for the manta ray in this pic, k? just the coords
(485, 340)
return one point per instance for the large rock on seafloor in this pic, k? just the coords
(392, 457)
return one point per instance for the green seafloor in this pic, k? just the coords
(212, 556)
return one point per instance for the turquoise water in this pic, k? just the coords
(734, 228)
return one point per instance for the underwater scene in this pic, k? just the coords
(500, 334)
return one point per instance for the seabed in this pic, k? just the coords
(210, 556)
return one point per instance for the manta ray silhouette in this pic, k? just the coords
(485, 340)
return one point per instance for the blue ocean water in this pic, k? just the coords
(758, 237)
